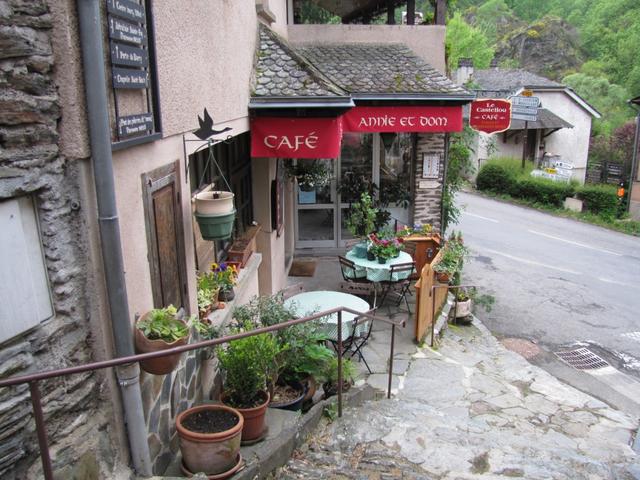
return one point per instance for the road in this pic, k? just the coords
(560, 284)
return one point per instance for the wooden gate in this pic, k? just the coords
(426, 297)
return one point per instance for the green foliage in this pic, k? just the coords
(362, 216)
(246, 364)
(479, 300)
(452, 258)
(600, 199)
(331, 411)
(495, 178)
(349, 371)
(609, 99)
(309, 12)
(309, 174)
(162, 324)
(465, 41)
(263, 311)
(542, 190)
(487, 14)
(459, 165)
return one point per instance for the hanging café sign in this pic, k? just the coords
(490, 116)
(321, 137)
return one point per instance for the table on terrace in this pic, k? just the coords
(380, 272)
(307, 303)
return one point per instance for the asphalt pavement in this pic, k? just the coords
(562, 285)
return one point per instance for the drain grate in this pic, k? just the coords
(632, 336)
(582, 359)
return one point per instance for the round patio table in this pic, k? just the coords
(380, 272)
(307, 303)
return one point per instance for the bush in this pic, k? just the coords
(542, 191)
(600, 199)
(495, 178)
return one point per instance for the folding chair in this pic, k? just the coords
(359, 334)
(399, 283)
(349, 272)
(291, 290)
(367, 290)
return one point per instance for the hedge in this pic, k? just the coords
(542, 191)
(600, 199)
(495, 178)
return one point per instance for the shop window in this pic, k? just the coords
(25, 300)
(234, 158)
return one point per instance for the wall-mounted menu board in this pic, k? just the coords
(131, 68)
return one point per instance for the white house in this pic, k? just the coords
(564, 120)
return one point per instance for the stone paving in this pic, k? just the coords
(469, 409)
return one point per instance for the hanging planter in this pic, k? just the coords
(215, 212)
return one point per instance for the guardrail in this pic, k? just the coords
(34, 378)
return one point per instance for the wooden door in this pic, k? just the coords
(161, 189)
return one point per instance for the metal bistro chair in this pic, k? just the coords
(361, 327)
(410, 248)
(349, 272)
(291, 290)
(400, 278)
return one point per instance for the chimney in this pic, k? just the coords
(464, 71)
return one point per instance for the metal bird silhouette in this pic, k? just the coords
(206, 127)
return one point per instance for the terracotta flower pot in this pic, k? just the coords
(211, 453)
(161, 365)
(442, 277)
(253, 418)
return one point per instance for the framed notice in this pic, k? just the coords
(430, 165)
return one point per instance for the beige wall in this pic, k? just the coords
(205, 59)
(272, 274)
(572, 144)
(427, 41)
(129, 165)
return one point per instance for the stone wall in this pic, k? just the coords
(31, 164)
(428, 192)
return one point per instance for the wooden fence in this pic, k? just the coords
(425, 298)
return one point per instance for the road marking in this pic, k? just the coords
(615, 282)
(576, 243)
(480, 216)
(532, 262)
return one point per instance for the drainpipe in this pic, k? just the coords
(91, 39)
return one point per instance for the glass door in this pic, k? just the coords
(316, 217)
(358, 171)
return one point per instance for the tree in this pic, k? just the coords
(465, 41)
(609, 99)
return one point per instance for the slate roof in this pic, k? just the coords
(280, 72)
(547, 120)
(374, 68)
(508, 80)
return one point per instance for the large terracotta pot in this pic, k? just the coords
(211, 453)
(253, 418)
(161, 365)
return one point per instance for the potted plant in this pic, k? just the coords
(361, 222)
(385, 248)
(215, 213)
(225, 276)
(467, 299)
(309, 174)
(210, 440)
(160, 329)
(302, 360)
(207, 293)
(206, 330)
(246, 364)
(451, 260)
(330, 386)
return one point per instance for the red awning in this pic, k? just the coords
(295, 137)
(403, 119)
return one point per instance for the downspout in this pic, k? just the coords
(91, 43)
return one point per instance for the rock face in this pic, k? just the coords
(548, 48)
(31, 164)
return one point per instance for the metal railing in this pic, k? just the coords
(34, 378)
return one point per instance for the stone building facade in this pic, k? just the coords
(202, 55)
(34, 166)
